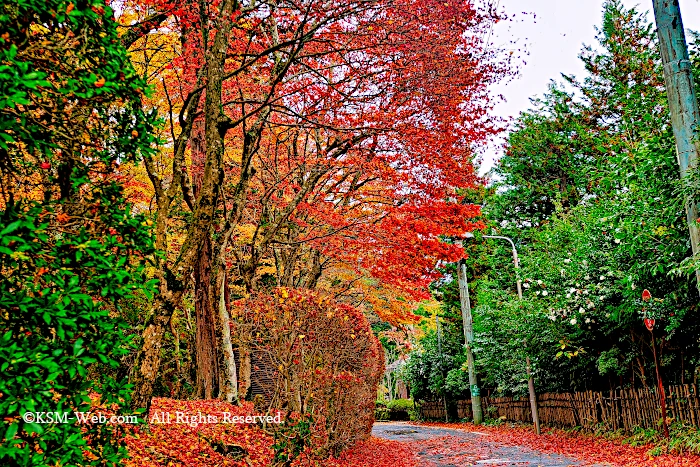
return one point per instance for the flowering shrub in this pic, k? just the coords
(327, 362)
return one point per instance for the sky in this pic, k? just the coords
(554, 31)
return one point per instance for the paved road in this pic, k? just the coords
(445, 447)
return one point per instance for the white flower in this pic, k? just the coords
(553, 317)
(572, 290)
(573, 321)
(607, 315)
(602, 297)
(568, 295)
(545, 293)
(587, 278)
(585, 292)
(617, 240)
(581, 310)
(537, 293)
(526, 285)
(567, 260)
(591, 305)
(588, 320)
(634, 286)
(602, 278)
(539, 282)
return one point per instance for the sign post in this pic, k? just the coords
(649, 323)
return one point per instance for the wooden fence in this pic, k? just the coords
(612, 410)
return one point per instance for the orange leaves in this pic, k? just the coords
(180, 433)
(375, 452)
(63, 218)
(99, 83)
(188, 445)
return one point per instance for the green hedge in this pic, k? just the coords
(395, 410)
(71, 250)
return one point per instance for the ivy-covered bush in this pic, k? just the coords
(70, 248)
(327, 364)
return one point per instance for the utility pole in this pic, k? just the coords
(466, 306)
(682, 100)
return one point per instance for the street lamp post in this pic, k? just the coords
(530, 378)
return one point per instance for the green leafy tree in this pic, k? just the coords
(71, 249)
(590, 189)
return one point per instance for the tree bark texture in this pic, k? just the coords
(205, 347)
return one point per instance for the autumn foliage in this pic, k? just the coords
(326, 362)
(310, 144)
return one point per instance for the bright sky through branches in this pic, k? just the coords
(554, 38)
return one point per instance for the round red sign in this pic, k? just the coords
(649, 323)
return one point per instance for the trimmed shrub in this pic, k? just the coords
(399, 410)
(327, 363)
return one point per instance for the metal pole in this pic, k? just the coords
(682, 100)
(466, 306)
(444, 397)
(660, 384)
(528, 366)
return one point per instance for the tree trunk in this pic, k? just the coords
(205, 346)
(229, 377)
(244, 356)
(145, 370)
(175, 278)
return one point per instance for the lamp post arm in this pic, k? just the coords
(515, 261)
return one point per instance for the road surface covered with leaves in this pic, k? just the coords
(450, 447)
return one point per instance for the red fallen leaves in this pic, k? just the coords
(180, 444)
(587, 448)
(375, 452)
(451, 450)
(184, 445)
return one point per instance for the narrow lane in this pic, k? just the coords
(447, 447)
